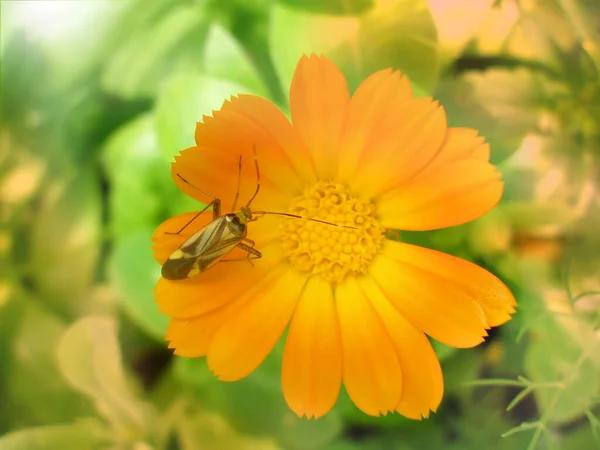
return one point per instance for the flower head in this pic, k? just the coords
(358, 306)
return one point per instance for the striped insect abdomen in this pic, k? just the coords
(203, 249)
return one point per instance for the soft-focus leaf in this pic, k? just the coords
(500, 104)
(239, 402)
(134, 272)
(497, 27)
(80, 436)
(65, 238)
(225, 59)
(90, 359)
(399, 34)
(31, 359)
(183, 101)
(459, 369)
(457, 21)
(140, 175)
(583, 15)
(491, 234)
(526, 215)
(333, 7)
(62, 30)
(555, 356)
(172, 44)
(255, 404)
(21, 73)
(581, 437)
(205, 431)
(443, 351)
(540, 34)
(448, 239)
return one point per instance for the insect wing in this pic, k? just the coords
(202, 250)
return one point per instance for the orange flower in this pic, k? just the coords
(358, 306)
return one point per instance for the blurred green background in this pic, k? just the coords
(98, 96)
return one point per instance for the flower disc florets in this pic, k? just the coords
(344, 247)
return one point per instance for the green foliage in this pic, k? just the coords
(82, 436)
(184, 99)
(397, 34)
(65, 237)
(170, 42)
(133, 271)
(91, 118)
(89, 359)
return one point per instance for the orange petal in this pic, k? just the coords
(239, 126)
(422, 381)
(476, 283)
(402, 144)
(372, 103)
(446, 195)
(246, 337)
(441, 300)
(190, 338)
(213, 173)
(165, 244)
(225, 280)
(319, 100)
(371, 369)
(312, 360)
(266, 116)
(460, 143)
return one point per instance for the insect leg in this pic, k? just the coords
(216, 204)
(237, 193)
(252, 253)
(257, 177)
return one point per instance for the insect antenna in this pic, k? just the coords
(257, 177)
(195, 187)
(295, 216)
(237, 193)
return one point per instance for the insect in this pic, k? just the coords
(211, 243)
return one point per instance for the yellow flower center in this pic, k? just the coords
(331, 251)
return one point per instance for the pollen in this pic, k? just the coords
(344, 246)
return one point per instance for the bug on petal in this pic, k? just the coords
(211, 243)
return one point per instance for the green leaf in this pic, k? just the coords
(199, 430)
(31, 359)
(140, 175)
(239, 400)
(134, 272)
(525, 426)
(541, 34)
(559, 354)
(225, 59)
(457, 21)
(333, 7)
(90, 359)
(461, 368)
(528, 215)
(143, 60)
(491, 234)
(443, 351)
(183, 101)
(255, 404)
(582, 437)
(501, 104)
(583, 15)
(80, 436)
(398, 34)
(65, 238)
